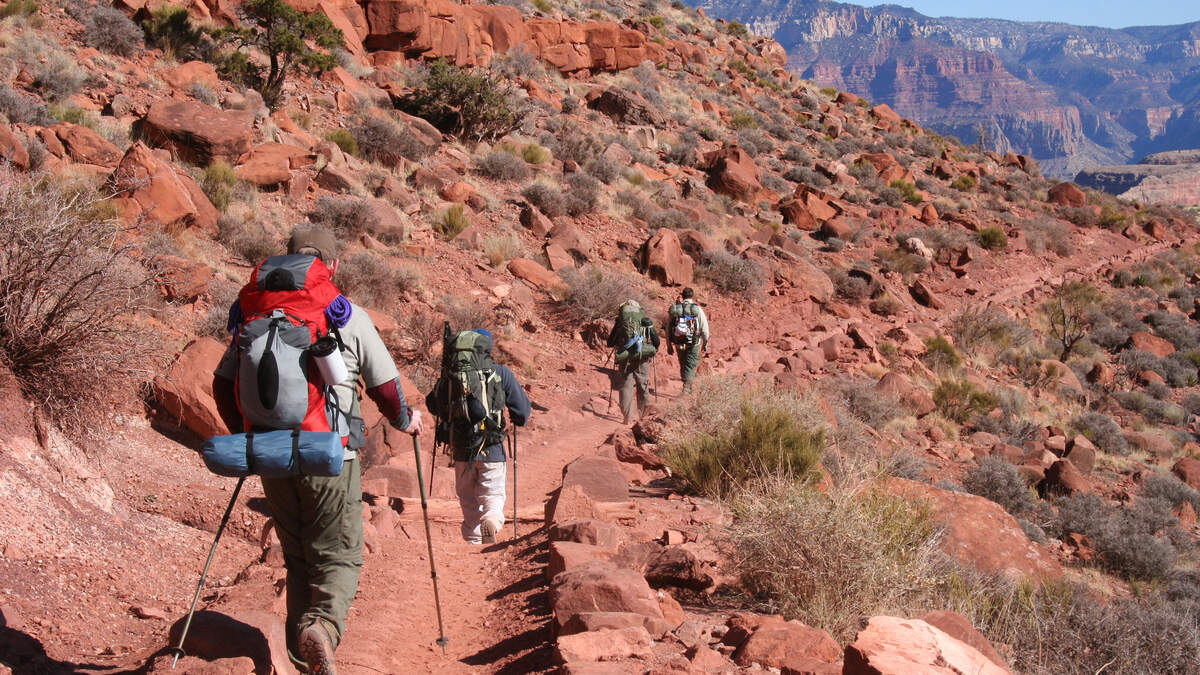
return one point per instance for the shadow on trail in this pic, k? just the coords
(535, 642)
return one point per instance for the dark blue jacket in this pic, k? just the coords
(518, 413)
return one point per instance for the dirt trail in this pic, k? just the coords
(493, 598)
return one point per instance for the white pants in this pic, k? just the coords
(480, 488)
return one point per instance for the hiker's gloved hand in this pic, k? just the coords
(416, 425)
(670, 348)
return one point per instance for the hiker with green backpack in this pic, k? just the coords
(635, 343)
(291, 373)
(689, 334)
(469, 400)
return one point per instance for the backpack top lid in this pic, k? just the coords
(470, 350)
(299, 285)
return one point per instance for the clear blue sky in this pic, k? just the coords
(1108, 13)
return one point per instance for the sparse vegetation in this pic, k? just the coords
(959, 400)
(547, 198)
(996, 479)
(109, 30)
(504, 165)
(382, 140)
(371, 281)
(219, 182)
(1067, 315)
(464, 102)
(593, 294)
(170, 29)
(344, 140)
(992, 238)
(730, 273)
(451, 222)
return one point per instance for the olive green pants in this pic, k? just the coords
(319, 523)
(689, 360)
(631, 377)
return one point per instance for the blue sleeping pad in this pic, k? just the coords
(275, 454)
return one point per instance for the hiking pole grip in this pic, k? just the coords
(178, 650)
(437, 600)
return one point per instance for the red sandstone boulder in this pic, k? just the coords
(197, 132)
(534, 273)
(152, 188)
(272, 163)
(183, 76)
(568, 555)
(603, 587)
(732, 172)
(892, 646)
(1148, 342)
(606, 644)
(918, 401)
(86, 146)
(595, 532)
(924, 295)
(599, 477)
(12, 150)
(627, 107)
(1187, 469)
(664, 261)
(980, 533)
(185, 392)
(1066, 194)
(956, 626)
(777, 643)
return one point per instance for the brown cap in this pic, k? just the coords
(315, 239)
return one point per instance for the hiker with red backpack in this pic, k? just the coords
(689, 334)
(469, 400)
(298, 352)
(635, 343)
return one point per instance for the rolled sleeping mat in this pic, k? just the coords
(275, 454)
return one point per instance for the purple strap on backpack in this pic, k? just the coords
(338, 312)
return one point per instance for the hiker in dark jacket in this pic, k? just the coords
(319, 519)
(687, 328)
(635, 371)
(480, 472)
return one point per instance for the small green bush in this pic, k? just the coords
(992, 238)
(382, 140)
(742, 120)
(451, 222)
(503, 165)
(965, 183)
(1111, 219)
(18, 8)
(344, 140)
(940, 354)
(467, 103)
(543, 6)
(500, 248)
(218, 182)
(959, 400)
(907, 191)
(170, 29)
(656, 21)
(766, 441)
(109, 30)
(535, 154)
(737, 29)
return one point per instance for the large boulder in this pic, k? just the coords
(1148, 342)
(151, 188)
(889, 645)
(776, 643)
(86, 146)
(12, 150)
(1062, 478)
(1187, 469)
(197, 132)
(664, 261)
(606, 644)
(956, 626)
(626, 107)
(272, 163)
(185, 392)
(1066, 194)
(732, 172)
(600, 478)
(604, 587)
(980, 533)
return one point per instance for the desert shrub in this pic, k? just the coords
(170, 29)
(1135, 361)
(347, 216)
(248, 241)
(1124, 537)
(382, 140)
(519, 62)
(1047, 233)
(1102, 431)
(21, 108)
(863, 171)
(767, 440)
(1169, 489)
(293, 42)
(861, 551)
(849, 286)
(68, 281)
(965, 183)
(754, 142)
(996, 479)
(685, 152)
(940, 354)
(1067, 312)
(803, 174)
(908, 191)
(56, 76)
(109, 30)
(603, 169)
(547, 198)
(1191, 403)
(890, 196)
(535, 154)
(464, 102)
(499, 248)
(345, 141)
(797, 153)
(870, 405)
(572, 145)
(451, 222)
(976, 327)
(219, 183)
(582, 195)
(1180, 331)
(903, 262)
(959, 400)
(992, 238)
(737, 29)
(669, 218)
(731, 273)
(742, 119)
(18, 8)
(1109, 336)
(371, 281)
(595, 294)
(503, 165)
(202, 93)
(1111, 218)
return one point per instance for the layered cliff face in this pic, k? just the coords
(1073, 97)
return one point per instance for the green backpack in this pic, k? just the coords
(475, 396)
(635, 334)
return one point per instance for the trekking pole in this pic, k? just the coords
(200, 586)
(437, 600)
(654, 365)
(514, 454)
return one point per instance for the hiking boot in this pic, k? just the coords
(317, 649)
(488, 528)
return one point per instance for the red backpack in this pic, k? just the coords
(283, 312)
